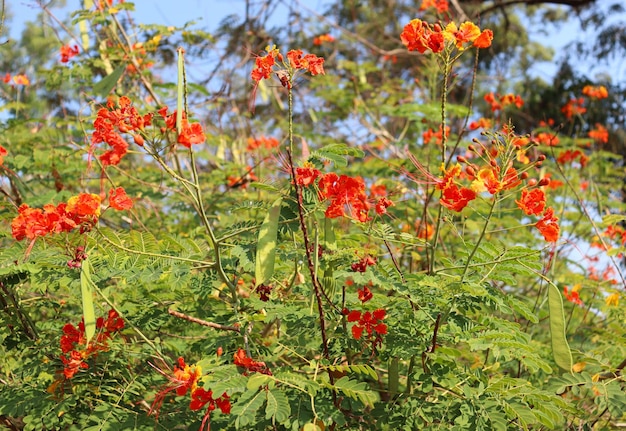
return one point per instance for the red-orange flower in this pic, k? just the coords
(456, 198)
(323, 38)
(119, 200)
(344, 191)
(74, 347)
(484, 40)
(532, 202)
(68, 52)
(306, 175)
(572, 295)
(574, 107)
(370, 322)
(310, 62)
(190, 134)
(184, 378)
(549, 139)
(263, 141)
(84, 205)
(548, 225)
(365, 294)
(440, 5)
(3, 152)
(244, 361)
(599, 134)
(430, 134)
(21, 79)
(595, 92)
(465, 33)
(201, 397)
(490, 98)
(482, 123)
(417, 35)
(263, 65)
(382, 205)
(361, 265)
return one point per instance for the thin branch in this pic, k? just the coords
(203, 322)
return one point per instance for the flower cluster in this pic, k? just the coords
(453, 197)
(365, 294)
(242, 360)
(573, 295)
(190, 133)
(548, 225)
(599, 134)
(19, 79)
(265, 142)
(421, 36)
(263, 67)
(595, 92)
(569, 156)
(79, 211)
(201, 397)
(322, 39)
(68, 52)
(307, 174)
(110, 122)
(361, 265)
(429, 135)
(370, 322)
(119, 200)
(344, 191)
(184, 378)
(74, 343)
(573, 108)
(498, 102)
(440, 5)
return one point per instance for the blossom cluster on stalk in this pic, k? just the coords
(75, 349)
(421, 36)
(370, 322)
(122, 117)
(264, 66)
(81, 211)
(67, 52)
(184, 378)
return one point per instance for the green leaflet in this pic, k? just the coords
(266, 244)
(560, 349)
(89, 314)
(106, 84)
(277, 408)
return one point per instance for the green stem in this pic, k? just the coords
(316, 286)
(480, 238)
(444, 99)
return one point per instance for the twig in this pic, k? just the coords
(203, 322)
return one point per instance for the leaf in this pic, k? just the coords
(246, 407)
(106, 84)
(560, 349)
(89, 314)
(256, 381)
(277, 407)
(356, 390)
(266, 244)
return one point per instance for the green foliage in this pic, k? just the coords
(307, 302)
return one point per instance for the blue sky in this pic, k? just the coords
(208, 13)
